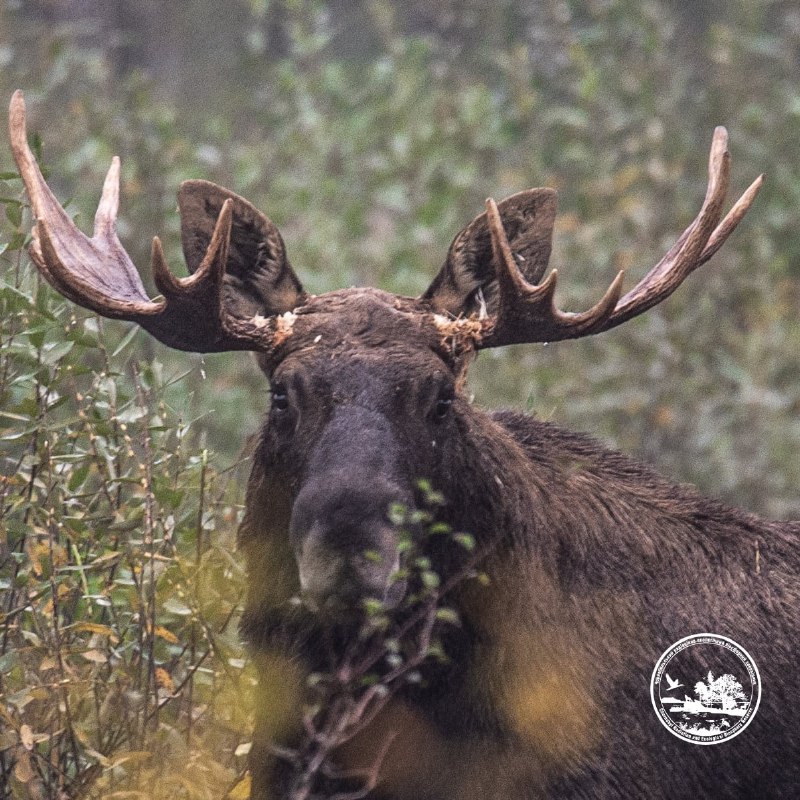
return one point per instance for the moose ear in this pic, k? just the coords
(259, 278)
(528, 219)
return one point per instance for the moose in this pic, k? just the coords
(598, 564)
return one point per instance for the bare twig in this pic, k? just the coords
(149, 602)
(345, 706)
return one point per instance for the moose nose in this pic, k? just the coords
(346, 549)
(347, 574)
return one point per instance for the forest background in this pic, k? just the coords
(370, 132)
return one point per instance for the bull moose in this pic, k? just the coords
(598, 564)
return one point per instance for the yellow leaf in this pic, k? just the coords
(95, 656)
(48, 662)
(59, 555)
(36, 553)
(95, 627)
(105, 559)
(164, 679)
(26, 737)
(128, 756)
(625, 178)
(568, 223)
(664, 416)
(99, 757)
(166, 634)
(22, 770)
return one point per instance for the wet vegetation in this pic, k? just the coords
(370, 133)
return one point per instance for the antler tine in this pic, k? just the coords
(67, 258)
(98, 274)
(732, 219)
(105, 219)
(686, 254)
(527, 313)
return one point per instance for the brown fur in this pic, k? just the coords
(603, 564)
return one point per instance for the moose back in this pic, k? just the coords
(595, 564)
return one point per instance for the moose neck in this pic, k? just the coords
(576, 509)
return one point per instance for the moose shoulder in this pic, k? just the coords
(597, 565)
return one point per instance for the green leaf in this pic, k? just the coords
(448, 615)
(77, 477)
(175, 606)
(14, 213)
(438, 528)
(372, 606)
(52, 354)
(430, 579)
(126, 340)
(466, 540)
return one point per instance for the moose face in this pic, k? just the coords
(362, 407)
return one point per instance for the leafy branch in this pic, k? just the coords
(383, 657)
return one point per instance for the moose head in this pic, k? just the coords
(365, 384)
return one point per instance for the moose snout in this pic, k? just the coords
(345, 546)
(332, 574)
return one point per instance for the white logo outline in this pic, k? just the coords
(660, 669)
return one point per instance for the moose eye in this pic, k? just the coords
(280, 400)
(442, 409)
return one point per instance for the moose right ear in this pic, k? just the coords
(528, 219)
(259, 278)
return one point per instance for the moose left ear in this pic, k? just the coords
(259, 278)
(528, 219)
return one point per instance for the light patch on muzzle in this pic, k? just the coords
(334, 575)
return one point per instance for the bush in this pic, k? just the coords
(119, 655)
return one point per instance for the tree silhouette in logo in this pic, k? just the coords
(724, 692)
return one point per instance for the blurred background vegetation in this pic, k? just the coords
(370, 132)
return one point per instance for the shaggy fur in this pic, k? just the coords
(602, 565)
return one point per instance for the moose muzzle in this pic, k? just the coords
(346, 547)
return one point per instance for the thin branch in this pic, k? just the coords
(347, 708)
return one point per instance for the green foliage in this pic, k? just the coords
(370, 132)
(119, 652)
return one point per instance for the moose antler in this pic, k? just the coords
(98, 274)
(527, 312)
